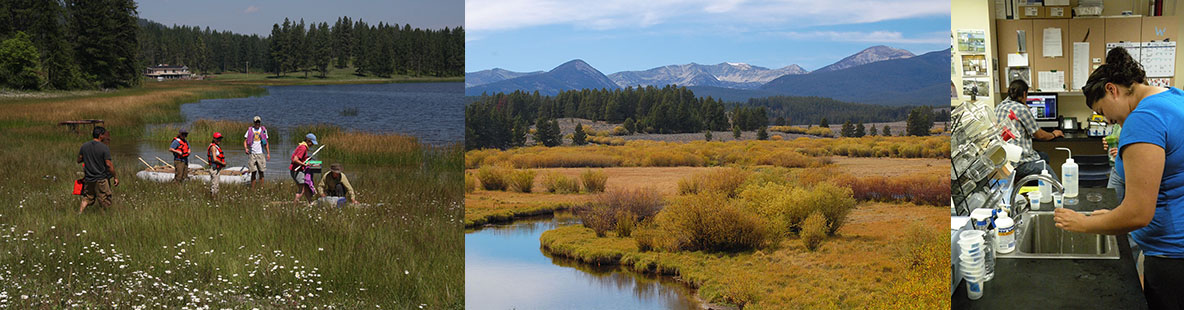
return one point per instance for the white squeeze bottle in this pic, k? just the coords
(1004, 234)
(1046, 188)
(1069, 175)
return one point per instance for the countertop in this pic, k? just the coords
(1062, 283)
(1074, 136)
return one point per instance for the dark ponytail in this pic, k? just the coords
(1120, 69)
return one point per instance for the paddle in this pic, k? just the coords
(166, 163)
(145, 163)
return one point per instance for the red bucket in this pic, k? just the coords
(78, 187)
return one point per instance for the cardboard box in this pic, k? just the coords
(1058, 12)
(1030, 12)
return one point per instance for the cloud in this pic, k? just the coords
(495, 15)
(251, 9)
(865, 36)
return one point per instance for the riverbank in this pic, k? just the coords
(884, 233)
(170, 246)
(490, 207)
(870, 264)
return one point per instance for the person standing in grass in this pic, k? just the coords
(299, 166)
(95, 158)
(258, 151)
(217, 162)
(336, 184)
(180, 150)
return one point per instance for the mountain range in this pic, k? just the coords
(867, 56)
(730, 75)
(493, 75)
(575, 74)
(880, 74)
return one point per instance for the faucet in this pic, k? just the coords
(1015, 188)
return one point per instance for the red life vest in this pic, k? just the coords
(184, 147)
(221, 159)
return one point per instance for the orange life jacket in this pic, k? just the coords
(221, 159)
(184, 147)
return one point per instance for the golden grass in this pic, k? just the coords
(801, 152)
(555, 182)
(487, 207)
(849, 271)
(202, 131)
(594, 181)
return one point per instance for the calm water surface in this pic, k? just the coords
(431, 112)
(506, 269)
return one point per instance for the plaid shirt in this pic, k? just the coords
(1023, 126)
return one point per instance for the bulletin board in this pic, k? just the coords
(1124, 29)
(1159, 37)
(1090, 33)
(1007, 42)
(1159, 28)
(1049, 56)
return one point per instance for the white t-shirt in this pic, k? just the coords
(257, 138)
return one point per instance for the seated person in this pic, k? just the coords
(336, 184)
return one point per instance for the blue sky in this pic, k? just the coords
(617, 35)
(256, 17)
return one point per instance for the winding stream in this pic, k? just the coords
(506, 269)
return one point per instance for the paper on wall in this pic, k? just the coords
(1051, 80)
(1159, 59)
(1133, 48)
(1080, 64)
(1017, 60)
(1052, 42)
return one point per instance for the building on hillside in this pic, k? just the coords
(166, 72)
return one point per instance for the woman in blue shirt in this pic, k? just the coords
(1151, 146)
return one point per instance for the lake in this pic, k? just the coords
(506, 269)
(431, 112)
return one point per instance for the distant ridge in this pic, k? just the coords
(575, 74)
(493, 75)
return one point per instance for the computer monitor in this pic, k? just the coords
(1043, 106)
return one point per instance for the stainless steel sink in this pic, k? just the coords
(1038, 237)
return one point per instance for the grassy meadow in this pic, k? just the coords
(173, 246)
(805, 223)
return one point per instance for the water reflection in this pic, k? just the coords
(432, 112)
(504, 269)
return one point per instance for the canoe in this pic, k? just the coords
(229, 175)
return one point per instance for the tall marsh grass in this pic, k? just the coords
(711, 222)
(594, 180)
(362, 147)
(169, 246)
(800, 152)
(555, 182)
(725, 181)
(201, 132)
(522, 181)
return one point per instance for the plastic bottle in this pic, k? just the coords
(1045, 187)
(1069, 175)
(1005, 233)
(982, 222)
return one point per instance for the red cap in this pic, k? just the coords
(217, 135)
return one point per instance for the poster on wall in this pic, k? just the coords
(972, 41)
(974, 65)
(978, 86)
(1019, 73)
